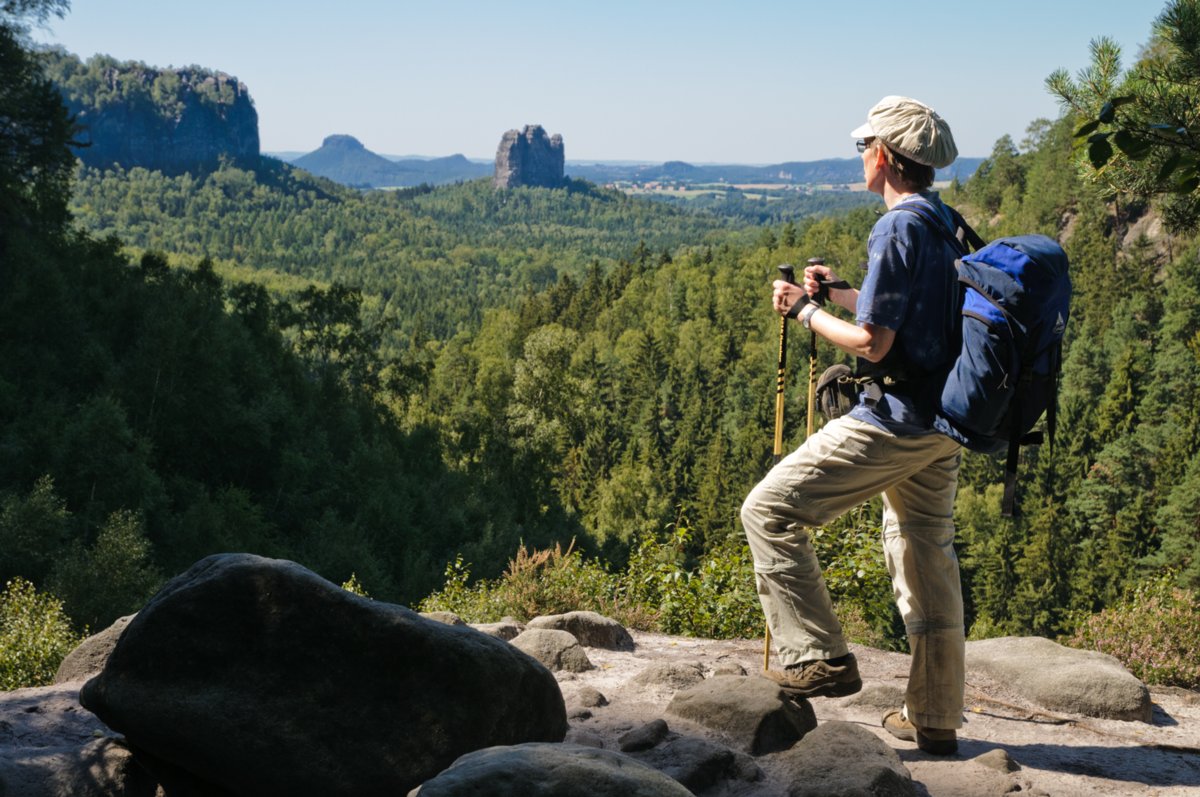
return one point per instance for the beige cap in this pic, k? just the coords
(911, 128)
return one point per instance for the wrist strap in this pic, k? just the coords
(800, 304)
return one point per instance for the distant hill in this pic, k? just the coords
(832, 171)
(345, 160)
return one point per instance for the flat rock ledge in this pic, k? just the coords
(730, 734)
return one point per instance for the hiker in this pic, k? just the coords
(905, 335)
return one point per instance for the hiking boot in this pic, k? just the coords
(935, 741)
(821, 678)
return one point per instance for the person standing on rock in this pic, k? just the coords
(905, 335)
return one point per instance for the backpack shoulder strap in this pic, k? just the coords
(963, 238)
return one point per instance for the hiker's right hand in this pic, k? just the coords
(814, 276)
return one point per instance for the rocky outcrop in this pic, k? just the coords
(170, 120)
(259, 677)
(529, 157)
(729, 735)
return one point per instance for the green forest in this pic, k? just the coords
(413, 390)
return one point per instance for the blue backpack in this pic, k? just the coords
(1015, 299)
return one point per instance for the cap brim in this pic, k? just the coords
(863, 131)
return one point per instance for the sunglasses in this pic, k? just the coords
(863, 144)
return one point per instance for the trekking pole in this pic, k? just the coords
(812, 366)
(789, 274)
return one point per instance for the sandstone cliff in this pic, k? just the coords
(171, 120)
(529, 157)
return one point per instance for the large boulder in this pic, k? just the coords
(262, 678)
(89, 656)
(558, 651)
(704, 766)
(548, 770)
(1063, 679)
(591, 629)
(753, 713)
(840, 759)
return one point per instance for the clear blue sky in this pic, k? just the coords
(753, 81)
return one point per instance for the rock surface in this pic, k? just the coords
(49, 746)
(505, 629)
(529, 157)
(818, 764)
(753, 713)
(591, 629)
(705, 767)
(556, 650)
(260, 677)
(1063, 679)
(88, 659)
(544, 770)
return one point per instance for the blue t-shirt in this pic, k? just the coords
(911, 287)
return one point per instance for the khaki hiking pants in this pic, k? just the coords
(844, 464)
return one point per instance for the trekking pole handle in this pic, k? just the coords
(788, 271)
(823, 293)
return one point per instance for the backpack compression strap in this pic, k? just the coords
(1008, 505)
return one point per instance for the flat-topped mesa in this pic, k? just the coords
(169, 120)
(529, 157)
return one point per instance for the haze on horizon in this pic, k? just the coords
(758, 81)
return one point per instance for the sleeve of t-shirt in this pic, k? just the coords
(883, 297)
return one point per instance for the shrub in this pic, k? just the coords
(35, 636)
(354, 586)
(1154, 632)
(659, 591)
(717, 599)
(536, 583)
